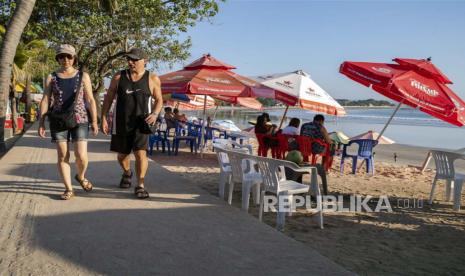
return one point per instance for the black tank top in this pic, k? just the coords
(133, 103)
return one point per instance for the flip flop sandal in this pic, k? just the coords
(67, 195)
(125, 182)
(85, 183)
(141, 193)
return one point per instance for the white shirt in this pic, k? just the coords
(290, 130)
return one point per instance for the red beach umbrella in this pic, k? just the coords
(414, 82)
(209, 76)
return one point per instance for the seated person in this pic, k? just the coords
(169, 118)
(292, 128)
(180, 117)
(263, 126)
(316, 130)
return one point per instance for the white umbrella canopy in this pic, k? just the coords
(373, 135)
(298, 89)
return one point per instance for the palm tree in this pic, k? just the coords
(7, 53)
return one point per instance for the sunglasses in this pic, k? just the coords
(63, 56)
(132, 59)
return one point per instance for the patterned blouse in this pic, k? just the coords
(313, 130)
(63, 91)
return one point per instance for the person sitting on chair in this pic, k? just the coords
(263, 126)
(169, 118)
(292, 128)
(179, 117)
(316, 130)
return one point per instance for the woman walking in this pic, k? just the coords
(69, 91)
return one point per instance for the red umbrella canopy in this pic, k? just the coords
(209, 76)
(248, 102)
(424, 66)
(410, 85)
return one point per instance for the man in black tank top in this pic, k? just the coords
(134, 89)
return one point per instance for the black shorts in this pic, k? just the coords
(126, 144)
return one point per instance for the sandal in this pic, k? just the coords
(125, 181)
(85, 183)
(141, 193)
(67, 195)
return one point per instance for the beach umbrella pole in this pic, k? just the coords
(389, 121)
(214, 113)
(384, 128)
(202, 135)
(282, 119)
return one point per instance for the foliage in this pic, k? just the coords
(368, 102)
(103, 30)
(267, 102)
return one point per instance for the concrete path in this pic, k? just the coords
(182, 230)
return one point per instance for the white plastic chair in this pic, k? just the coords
(244, 171)
(225, 169)
(274, 181)
(445, 169)
(231, 144)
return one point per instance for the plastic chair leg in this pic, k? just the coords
(224, 177)
(431, 195)
(449, 189)
(262, 202)
(354, 165)
(314, 157)
(230, 192)
(457, 194)
(176, 147)
(245, 196)
(168, 146)
(369, 165)
(256, 194)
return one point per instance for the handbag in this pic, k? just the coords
(65, 119)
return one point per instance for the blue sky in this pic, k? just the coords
(263, 37)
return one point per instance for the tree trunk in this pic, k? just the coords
(13, 109)
(11, 39)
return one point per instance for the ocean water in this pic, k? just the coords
(409, 126)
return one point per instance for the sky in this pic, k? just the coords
(265, 37)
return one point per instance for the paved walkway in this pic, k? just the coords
(181, 231)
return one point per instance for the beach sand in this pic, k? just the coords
(415, 238)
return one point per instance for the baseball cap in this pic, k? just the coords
(65, 49)
(136, 53)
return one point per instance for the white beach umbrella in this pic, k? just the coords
(298, 89)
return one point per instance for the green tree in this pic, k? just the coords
(10, 41)
(101, 37)
(103, 30)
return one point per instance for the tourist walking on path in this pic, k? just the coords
(138, 103)
(68, 91)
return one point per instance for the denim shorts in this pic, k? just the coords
(79, 133)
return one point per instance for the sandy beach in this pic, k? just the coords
(415, 238)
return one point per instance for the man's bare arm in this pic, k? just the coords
(156, 94)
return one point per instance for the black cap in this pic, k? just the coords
(137, 53)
